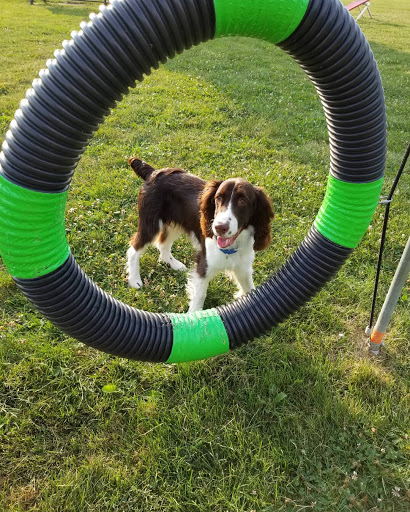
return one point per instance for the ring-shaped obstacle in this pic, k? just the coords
(84, 81)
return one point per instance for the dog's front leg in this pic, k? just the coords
(197, 287)
(243, 277)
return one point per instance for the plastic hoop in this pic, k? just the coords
(67, 103)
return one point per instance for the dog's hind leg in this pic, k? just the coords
(167, 236)
(145, 235)
(133, 267)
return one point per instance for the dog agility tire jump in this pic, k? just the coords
(93, 71)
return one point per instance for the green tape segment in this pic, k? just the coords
(272, 20)
(32, 230)
(347, 210)
(197, 336)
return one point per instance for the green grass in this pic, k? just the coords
(300, 419)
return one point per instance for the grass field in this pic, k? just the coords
(300, 419)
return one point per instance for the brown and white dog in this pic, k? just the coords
(227, 222)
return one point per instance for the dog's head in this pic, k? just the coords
(228, 207)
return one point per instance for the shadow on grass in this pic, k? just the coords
(283, 424)
(84, 9)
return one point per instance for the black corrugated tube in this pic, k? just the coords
(333, 51)
(51, 131)
(86, 79)
(96, 68)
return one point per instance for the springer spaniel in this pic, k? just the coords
(227, 221)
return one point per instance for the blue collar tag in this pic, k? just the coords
(228, 251)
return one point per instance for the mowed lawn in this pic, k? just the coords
(300, 419)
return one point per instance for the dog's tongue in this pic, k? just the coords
(223, 243)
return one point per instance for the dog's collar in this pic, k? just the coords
(228, 251)
(231, 250)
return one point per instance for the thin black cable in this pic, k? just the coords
(387, 202)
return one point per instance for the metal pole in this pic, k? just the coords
(390, 301)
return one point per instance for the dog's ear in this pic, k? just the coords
(207, 207)
(261, 220)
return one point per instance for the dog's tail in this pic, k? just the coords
(141, 169)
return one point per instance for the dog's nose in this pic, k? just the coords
(222, 228)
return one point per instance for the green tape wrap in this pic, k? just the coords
(197, 336)
(32, 230)
(272, 20)
(347, 210)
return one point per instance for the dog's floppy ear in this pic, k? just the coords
(261, 220)
(207, 207)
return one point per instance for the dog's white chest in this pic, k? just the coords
(241, 254)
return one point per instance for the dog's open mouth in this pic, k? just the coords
(223, 243)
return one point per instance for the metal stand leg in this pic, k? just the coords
(366, 8)
(390, 301)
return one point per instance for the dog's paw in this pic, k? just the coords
(239, 294)
(178, 265)
(194, 309)
(135, 283)
(173, 263)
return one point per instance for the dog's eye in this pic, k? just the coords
(242, 202)
(218, 199)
